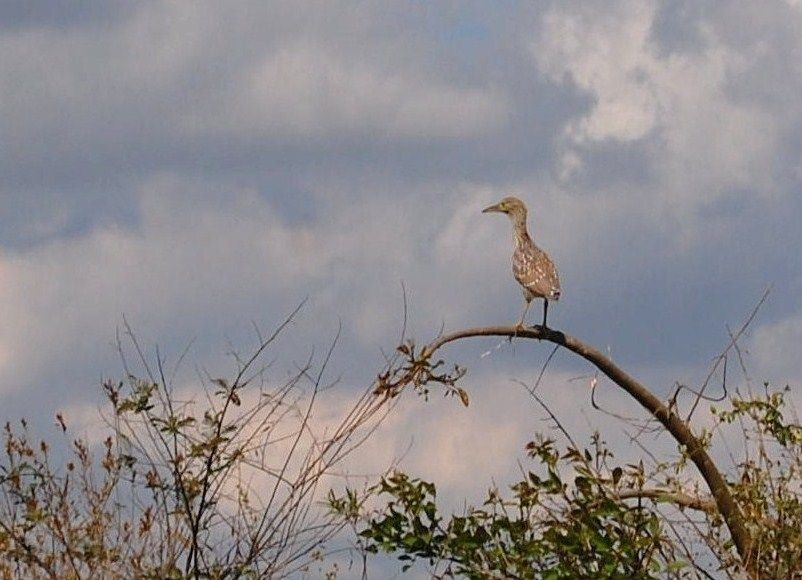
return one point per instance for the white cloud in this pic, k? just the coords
(774, 350)
(186, 259)
(706, 143)
(194, 260)
(308, 91)
(604, 51)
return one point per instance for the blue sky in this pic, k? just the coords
(199, 165)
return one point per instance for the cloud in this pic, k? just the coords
(188, 84)
(369, 146)
(772, 350)
(309, 92)
(195, 166)
(703, 141)
(604, 52)
(65, 298)
(192, 262)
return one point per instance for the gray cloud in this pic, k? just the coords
(61, 14)
(292, 105)
(199, 165)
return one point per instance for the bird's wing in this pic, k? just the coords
(536, 272)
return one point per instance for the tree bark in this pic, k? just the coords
(674, 424)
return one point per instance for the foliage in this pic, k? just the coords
(769, 479)
(563, 520)
(222, 480)
(221, 488)
(577, 514)
(414, 367)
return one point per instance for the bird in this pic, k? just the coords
(532, 267)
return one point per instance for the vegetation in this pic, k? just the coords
(553, 525)
(220, 489)
(227, 478)
(578, 514)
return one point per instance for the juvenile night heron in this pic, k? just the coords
(531, 266)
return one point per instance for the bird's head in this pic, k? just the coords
(512, 206)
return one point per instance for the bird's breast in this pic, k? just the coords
(535, 271)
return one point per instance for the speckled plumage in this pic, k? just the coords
(535, 271)
(531, 266)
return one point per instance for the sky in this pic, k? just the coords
(200, 166)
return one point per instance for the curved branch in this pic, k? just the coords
(674, 424)
(679, 499)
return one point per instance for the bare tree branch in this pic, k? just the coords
(722, 358)
(682, 500)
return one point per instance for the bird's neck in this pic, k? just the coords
(519, 230)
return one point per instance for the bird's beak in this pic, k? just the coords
(492, 208)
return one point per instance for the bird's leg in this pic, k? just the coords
(545, 311)
(520, 324)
